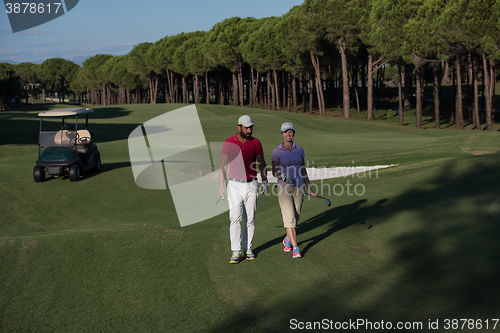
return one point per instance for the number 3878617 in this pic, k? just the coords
(32, 7)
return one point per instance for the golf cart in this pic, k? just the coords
(68, 151)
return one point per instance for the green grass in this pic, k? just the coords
(103, 254)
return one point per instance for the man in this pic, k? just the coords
(241, 151)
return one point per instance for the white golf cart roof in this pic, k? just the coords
(64, 112)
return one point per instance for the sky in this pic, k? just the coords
(116, 26)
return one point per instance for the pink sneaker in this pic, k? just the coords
(287, 244)
(296, 252)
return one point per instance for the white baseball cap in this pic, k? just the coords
(245, 121)
(287, 126)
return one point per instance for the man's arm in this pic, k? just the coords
(262, 166)
(222, 173)
(263, 173)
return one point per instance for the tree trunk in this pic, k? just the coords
(477, 120)
(364, 95)
(258, 91)
(166, 93)
(155, 90)
(370, 87)
(235, 88)
(222, 99)
(252, 89)
(345, 78)
(207, 88)
(103, 96)
(487, 92)
(184, 90)
(150, 84)
(446, 76)
(270, 91)
(355, 73)
(311, 90)
(120, 95)
(470, 101)
(168, 88)
(32, 95)
(319, 84)
(357, 98)
(261, 90)
(176, 89)
(284, 90)
(482, 108)
(459, 119)
(400, 94)
(152, 89)
(492, 88)
(437, 118)
(276, 88)
(196, 89)
(418, 74)
(454, 99)
(294, 94)
(240, 80)
(289, 92)
(173, 87)
(319, 93)
(408, 87)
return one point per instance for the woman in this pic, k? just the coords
(289, 168)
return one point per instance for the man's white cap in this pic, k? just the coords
(245, 121)
(287, 126)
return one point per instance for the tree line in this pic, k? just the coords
(321, 53)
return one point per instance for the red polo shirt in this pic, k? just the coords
(242, 157)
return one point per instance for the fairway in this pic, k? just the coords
(419, 246)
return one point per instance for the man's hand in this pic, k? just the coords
(286, 178)
(263, 187)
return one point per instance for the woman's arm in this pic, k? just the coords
(306, 179)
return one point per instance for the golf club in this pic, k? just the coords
(328, 202)
(223, 198)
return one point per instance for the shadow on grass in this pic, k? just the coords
(105, 167)
(442, 262)
(337, 218)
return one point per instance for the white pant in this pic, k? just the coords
(242, 204)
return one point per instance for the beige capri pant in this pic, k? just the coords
(290, 199)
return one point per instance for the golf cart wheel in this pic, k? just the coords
(74, 172)
(39, 174)
(97, 167)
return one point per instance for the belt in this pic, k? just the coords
(243, 180)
